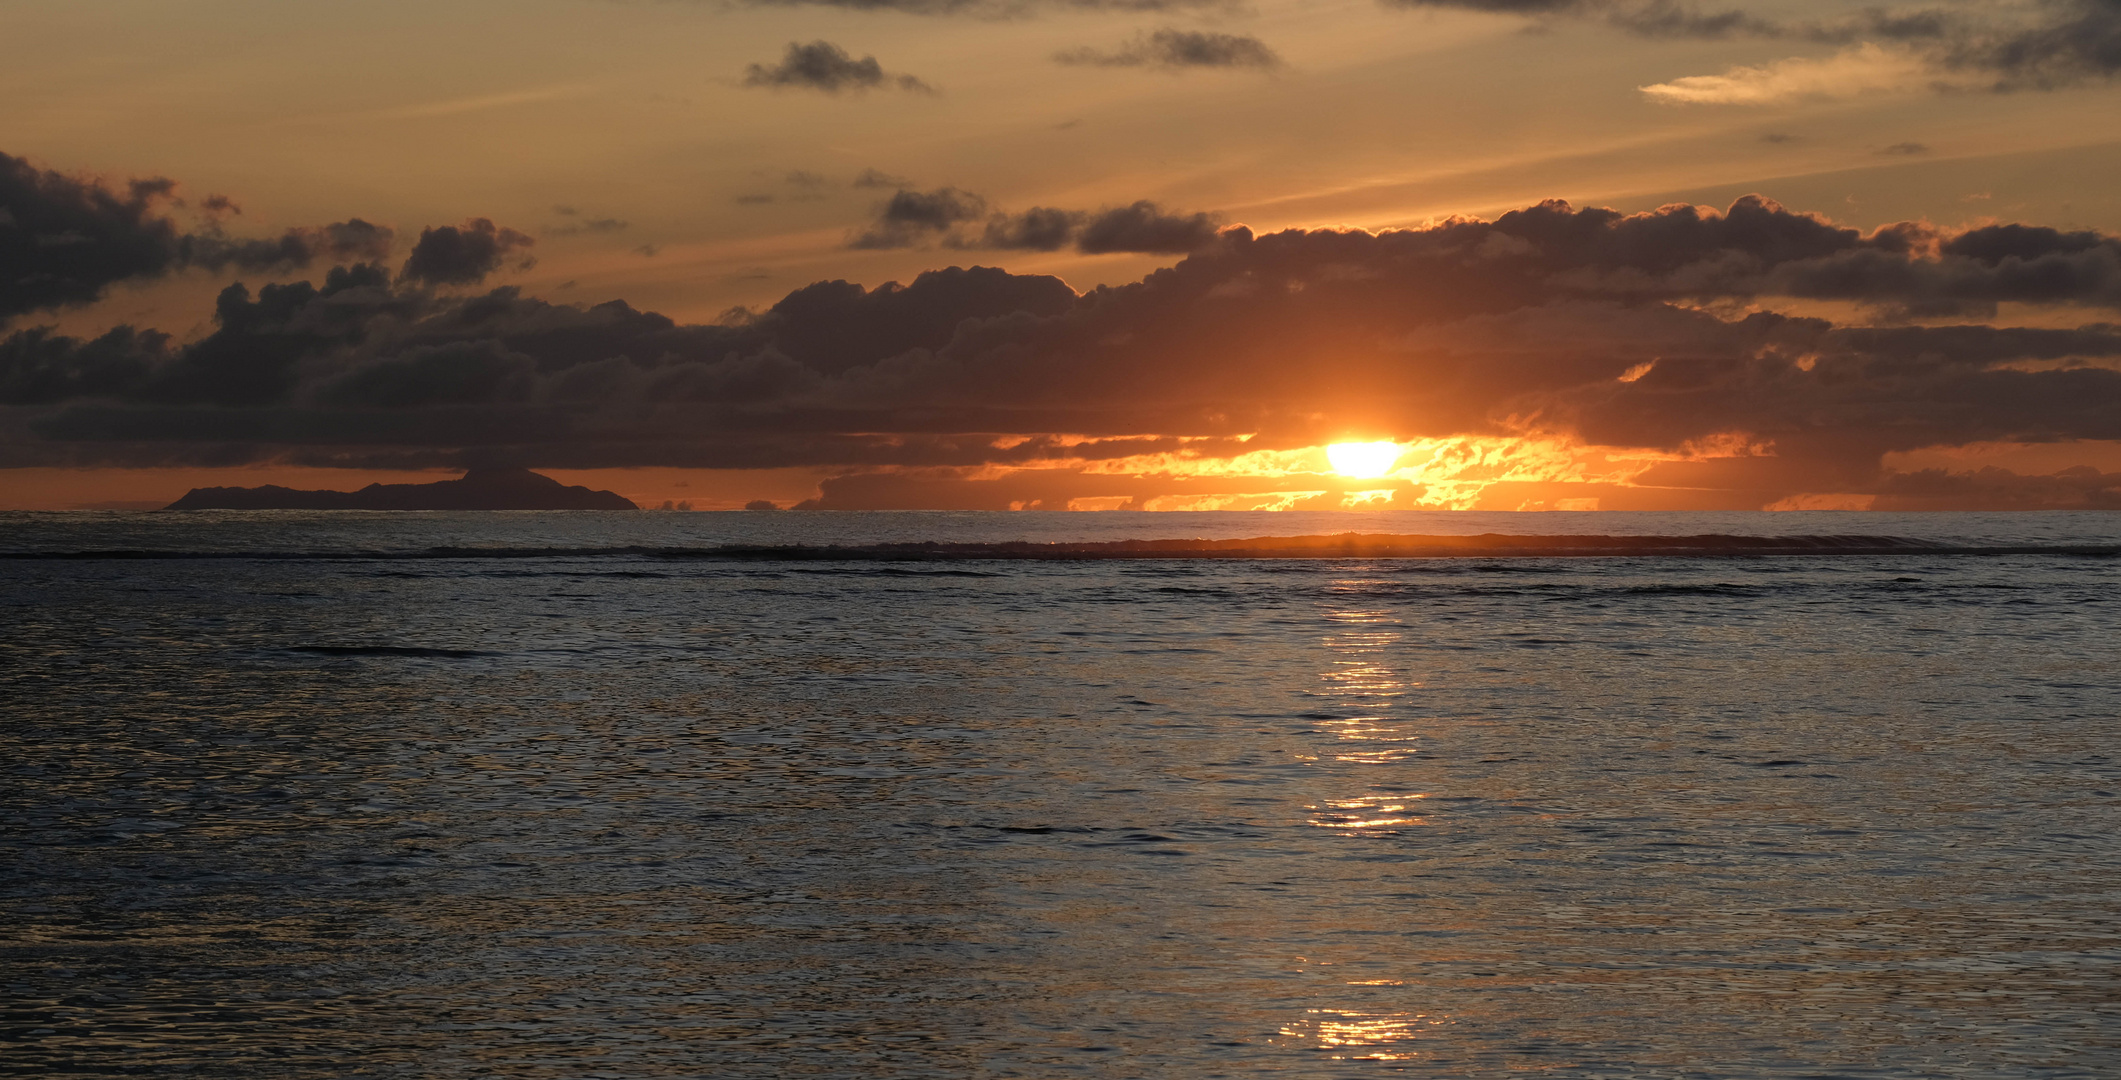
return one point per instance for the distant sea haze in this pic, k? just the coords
(557, 794)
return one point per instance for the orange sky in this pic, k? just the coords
(673, 156)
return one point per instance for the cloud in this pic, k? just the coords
(1040, 228)
(1992, 488)
(1144, 227)
(912, 218)
(1681, 19)
(1663, 19)
(1646, 18)
(65, 240)
(1905, 149)
(1865, 69)
(2042, 45)
(877, 178)
(38, 366)
(353, 240)
(465, 254)
(821, 65)
(1640, 352)
(1177, 50)
(2076, 41)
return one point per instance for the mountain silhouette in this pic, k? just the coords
(479, 489)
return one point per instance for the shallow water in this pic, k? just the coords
(606, 815)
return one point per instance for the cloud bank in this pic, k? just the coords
(1553, 346)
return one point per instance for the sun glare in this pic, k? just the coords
(1363, 460)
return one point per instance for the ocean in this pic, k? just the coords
(574, 795)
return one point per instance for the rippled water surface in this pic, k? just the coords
(604, 815)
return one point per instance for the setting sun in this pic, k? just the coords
(1363, 460)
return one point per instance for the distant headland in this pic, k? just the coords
(478, 489)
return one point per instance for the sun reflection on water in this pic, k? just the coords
(1370, 812)
(1349, 1035)
(1375, 748)
(1363, 678)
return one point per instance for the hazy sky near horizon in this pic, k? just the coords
(689, 157)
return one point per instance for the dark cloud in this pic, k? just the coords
(833, 326)
(944, 216)
(821, 65)
(1993, 245)
(877, 178)
(296, 249)
(450, 373)
(1621, 330)
(1681, 19)
(1647, 18)
(64, 240)
(1040, 228)
(1177, 50)
(2045, 45)
(1661, 19)
(2069, 42)
(1144, 227)
(909, 218)
(1992, 488)
(1905, 149)
(465, 254)
(38, 366)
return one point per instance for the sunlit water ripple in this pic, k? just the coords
(590, 816)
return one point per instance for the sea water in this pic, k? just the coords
(529, 795)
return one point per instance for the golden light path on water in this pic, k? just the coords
(1361, 671)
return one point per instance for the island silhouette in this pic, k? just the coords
(477, 489)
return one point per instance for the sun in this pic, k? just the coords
(1363, 460)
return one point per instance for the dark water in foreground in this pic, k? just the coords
(607, 815)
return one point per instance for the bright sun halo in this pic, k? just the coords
(1363, 460)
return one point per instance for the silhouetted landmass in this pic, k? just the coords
(479, 489)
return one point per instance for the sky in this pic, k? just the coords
(1068, 254)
